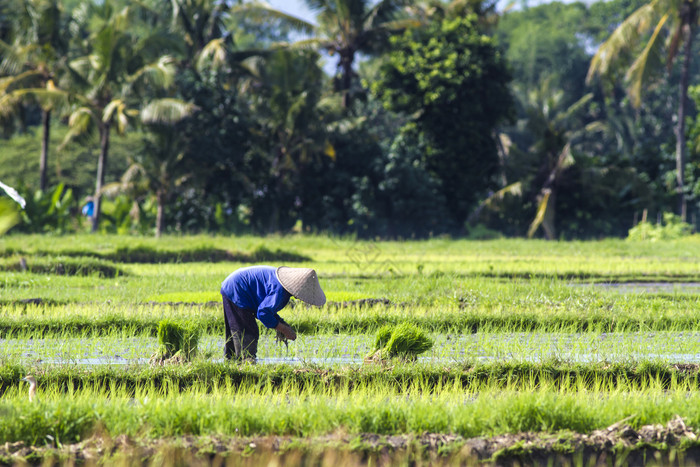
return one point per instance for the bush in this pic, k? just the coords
(672, 228)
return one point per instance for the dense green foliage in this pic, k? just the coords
(475, 116)
(452, 79)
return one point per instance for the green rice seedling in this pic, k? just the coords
(405, 341)
(163, 410)
(61, 266)
(178, 342)
(382, 337)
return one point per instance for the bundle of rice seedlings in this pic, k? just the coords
(405, 341)
(408, 341)
(382, 337)
(178, 342)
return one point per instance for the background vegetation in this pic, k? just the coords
(455, 117)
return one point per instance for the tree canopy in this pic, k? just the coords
(441, 118)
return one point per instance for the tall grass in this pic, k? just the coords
(517, 313)
(407, 379)
(154, 412)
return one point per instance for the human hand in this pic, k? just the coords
(286, 330)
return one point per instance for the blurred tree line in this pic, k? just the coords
(441, 118)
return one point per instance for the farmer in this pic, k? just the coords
(260, 292)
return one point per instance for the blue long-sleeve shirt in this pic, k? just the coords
(257, 288)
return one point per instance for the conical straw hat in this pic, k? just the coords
(302, 283)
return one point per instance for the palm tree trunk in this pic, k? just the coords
(346, 67)
(101, 164)
(46, 127)
(160, 201)
(680, 129)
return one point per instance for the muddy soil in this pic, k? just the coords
(672, 444)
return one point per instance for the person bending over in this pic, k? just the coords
(260, 292)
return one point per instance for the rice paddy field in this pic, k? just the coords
(575, 353)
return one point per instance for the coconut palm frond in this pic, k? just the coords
(565, 160)
(317, 5)
(646, 63)
(541, 212)
(253, 66)
(309, 44)
(14, 57)
(545, 210)
(491, 202)
(132, 173)
(514, 189)
(399, 25)
(111, 190)
(117, 111)
(597, 126)
(121, 21)
(166, 111)
(263, 11)
(625, 37)
(113, 107)
(81, 66)
(213, 53)
(81, 124)
(30, 78)
(49, 98)
(573, 109)
(160, 73)
(382, 12)
(129, 182)
(8, 104)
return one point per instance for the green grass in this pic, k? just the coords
(480, 307)
(152, 411)
(60, 266)
(399, 378)
(215, 296)
(604, 260)
(566, 355)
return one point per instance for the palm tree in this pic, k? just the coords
(287, 104)
(349, 27)
(648, 23)
(552, 127)
(33, 60)
(206, 28)
(110, 82)
(161, 167)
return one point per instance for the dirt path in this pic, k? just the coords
(619, 444)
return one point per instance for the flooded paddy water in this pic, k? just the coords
(645, 287)
(671, 347)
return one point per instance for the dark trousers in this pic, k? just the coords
(241, 334)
